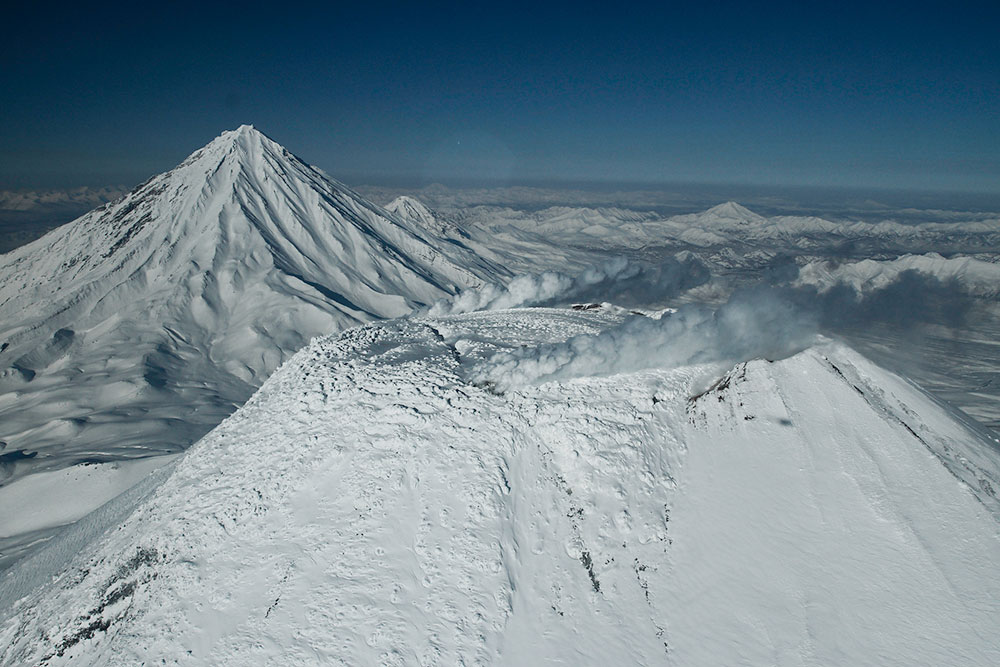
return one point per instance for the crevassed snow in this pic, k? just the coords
(370, 505)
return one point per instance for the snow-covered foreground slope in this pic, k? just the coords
(137, 328)
(370, 505)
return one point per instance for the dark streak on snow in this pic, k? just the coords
(120, 586)
(589, 564)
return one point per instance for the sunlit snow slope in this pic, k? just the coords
(369, 505)
(135, 329)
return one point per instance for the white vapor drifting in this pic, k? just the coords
(770, 322)
(752, 324)
(521, 291)
(624, 282)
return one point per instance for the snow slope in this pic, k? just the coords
(135, 329)
(414, 210)
(370, 505)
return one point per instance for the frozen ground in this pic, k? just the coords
(370, 505)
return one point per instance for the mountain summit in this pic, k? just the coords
(371, 506)
(166, 308)
(731, 212)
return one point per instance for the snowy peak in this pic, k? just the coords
(245, 156)
(243, 142)
(244, 135)
(412, 210)
(414, 215)
(198, 284)
(244, 194)
(731, 212)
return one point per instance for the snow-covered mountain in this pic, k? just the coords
(372, 505)
(133, 330)
(414, 210)
(517, 249)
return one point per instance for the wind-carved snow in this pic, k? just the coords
(135, 329)
(370, 504)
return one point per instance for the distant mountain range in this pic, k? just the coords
(27, 200)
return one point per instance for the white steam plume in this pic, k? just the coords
(752, 324)
(624, 282)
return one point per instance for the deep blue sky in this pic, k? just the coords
(837, 94)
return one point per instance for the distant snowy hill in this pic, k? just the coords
(372, 505)
(133, 330)
(412, 209)
(976, 277)
(737, 235)
(521, 250)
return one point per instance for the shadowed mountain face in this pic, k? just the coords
(165, 309)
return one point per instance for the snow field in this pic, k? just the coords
(370, 506)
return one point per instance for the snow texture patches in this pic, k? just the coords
(367, 506)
